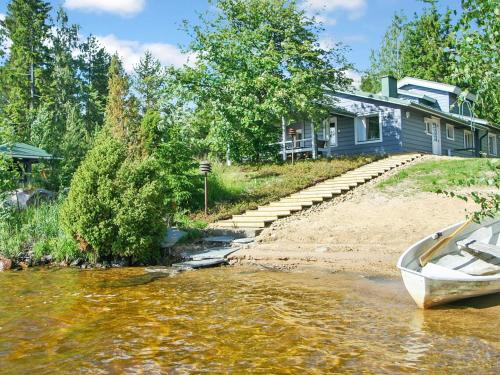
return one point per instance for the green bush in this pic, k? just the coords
(115, 207)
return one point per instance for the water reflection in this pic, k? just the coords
(235, 320)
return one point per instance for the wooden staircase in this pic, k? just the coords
(265, 215)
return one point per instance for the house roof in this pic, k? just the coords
(464, 120)
(433, 85)
(24, 151)
(417, 96)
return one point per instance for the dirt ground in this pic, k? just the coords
(364, 231)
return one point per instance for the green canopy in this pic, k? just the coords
(24, 151)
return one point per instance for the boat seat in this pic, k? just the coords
(477, 247)
(435, 270)
(470, 264)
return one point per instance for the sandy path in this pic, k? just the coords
(363, 232)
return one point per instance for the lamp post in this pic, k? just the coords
(292, 133)
(206, 168)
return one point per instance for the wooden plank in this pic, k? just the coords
(479, 247)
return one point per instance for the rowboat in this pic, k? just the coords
(467, 265)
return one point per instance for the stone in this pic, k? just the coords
(245, 240)
(322, 249)
(195, 264)
(172, 236)
(223, 239)
(5, 264)
(76, 263)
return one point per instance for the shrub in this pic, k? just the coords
(115, 206)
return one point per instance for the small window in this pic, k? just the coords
(450, 132)
(492, 144)
(368, 129)
(428, 127)
(468, 139)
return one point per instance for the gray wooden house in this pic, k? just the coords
(408, 115)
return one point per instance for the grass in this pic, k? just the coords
(235, 189)
(436, 175)
(36, 230)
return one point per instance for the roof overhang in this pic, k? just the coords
(434, 85)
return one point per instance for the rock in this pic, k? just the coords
(23, 265)
(172, 236)
(5, 264)
(322, 249)
(118, 263)
(46, 259)
(223, 239)
(76, 263)
(245, 240)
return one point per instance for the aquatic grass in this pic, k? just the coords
(37, 230)
(235, 189)
(436, 175)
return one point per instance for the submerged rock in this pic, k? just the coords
(5, 264)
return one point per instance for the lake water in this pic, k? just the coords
(237, 320)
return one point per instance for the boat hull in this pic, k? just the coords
(428, 291)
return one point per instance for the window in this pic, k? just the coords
(428, 126)
(367, 129)
(450, 132)
(468, 139)
(331, 130)
(492, 144)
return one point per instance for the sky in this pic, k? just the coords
(130, 27)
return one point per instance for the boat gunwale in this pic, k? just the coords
(468, 278)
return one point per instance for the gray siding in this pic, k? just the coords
(391, 127)
(415, 138)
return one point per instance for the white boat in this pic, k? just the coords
(467, 266)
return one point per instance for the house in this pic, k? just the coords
(410, 115)
(25, 156)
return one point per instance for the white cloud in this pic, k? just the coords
(356, 78)
(324, 8)
(331, 5)
(327, 42)
(121, 7)
(131, 51)
(2, 16)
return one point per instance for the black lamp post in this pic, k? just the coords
(206, 168)
(292, 132)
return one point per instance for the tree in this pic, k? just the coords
(417, 48)
(259, 61)
(27, 26)
(93, 63)
(116, 204)
(387, 60)
(478, 59)
(149, 82)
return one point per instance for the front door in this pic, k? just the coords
(436, 137)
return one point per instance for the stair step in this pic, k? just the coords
(252, 219)
(273, 213)
(287, 210)
(288, 205)
(233, 224)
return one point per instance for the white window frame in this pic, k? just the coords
(471, 136)
(452, 127)
(363, 119)
(428, 126)
(327, 131)
(495, 145)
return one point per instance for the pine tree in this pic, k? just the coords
(149, 82)
(94, 63)
(27, 26)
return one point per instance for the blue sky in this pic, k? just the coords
(132, 26)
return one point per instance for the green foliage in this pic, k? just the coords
(488, 202)
(37, 229)
(259, 61)
(149, 82)
(477, 55)
(416, 48)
